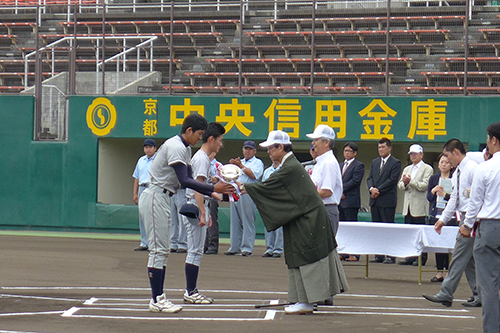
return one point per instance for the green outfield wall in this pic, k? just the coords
(54, 185)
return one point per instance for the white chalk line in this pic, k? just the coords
(214, 291)
(42, 297)
(31, 313)
(269, 314)
(395, 314)
(103, 305)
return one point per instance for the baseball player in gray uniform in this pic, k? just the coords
(168, 172)
(197, 228)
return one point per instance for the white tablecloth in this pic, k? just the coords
(393, 239)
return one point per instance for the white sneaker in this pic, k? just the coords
(163, 305)
(194, 297)
(299, 308)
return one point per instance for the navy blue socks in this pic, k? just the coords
(191, 277)
(156, 279)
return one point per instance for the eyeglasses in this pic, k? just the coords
(348, 151)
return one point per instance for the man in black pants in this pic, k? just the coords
(383, 183)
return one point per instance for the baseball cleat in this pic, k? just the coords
(194, 297)
(299, 308)
(163, 305)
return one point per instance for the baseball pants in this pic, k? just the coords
(195, 238)
(178, 236)
(154, 209)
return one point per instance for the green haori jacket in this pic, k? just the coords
(289, 198)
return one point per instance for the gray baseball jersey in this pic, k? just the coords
(200, 163)
(170, 152)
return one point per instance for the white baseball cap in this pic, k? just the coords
(278, 136)
(322, 131)
(415, 149)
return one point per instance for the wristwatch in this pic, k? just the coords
(241, 187)
(243, 169)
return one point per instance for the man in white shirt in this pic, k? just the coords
(462, 257)
(326, 174)
(414, 182)
(484, 205)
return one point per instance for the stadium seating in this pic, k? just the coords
(452, 90)
(379, 21)
(275, 77)
(138, 26)
(459, 76)
(275, 89)
(281, 36)
(426, 47)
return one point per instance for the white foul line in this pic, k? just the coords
(396, 314)
(30, 313)
(42, 297)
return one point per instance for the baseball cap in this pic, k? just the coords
(278, 136)
(415, 149)
(322, 131)
(149, 142)
(249, 144)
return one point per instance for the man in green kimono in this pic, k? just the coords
(289, 198)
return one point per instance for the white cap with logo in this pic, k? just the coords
(278, 137)
(415, 149)
(322, 131)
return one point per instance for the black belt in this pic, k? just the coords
(167, 191)
(144, 185)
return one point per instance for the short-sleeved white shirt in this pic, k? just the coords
(161, 172)
(326, 175)
(200, 163)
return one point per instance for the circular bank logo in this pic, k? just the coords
(101, 116)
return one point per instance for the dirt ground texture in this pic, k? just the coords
(53, 284)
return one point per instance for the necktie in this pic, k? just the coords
(382, 164)
(345, 167)
(458, 187)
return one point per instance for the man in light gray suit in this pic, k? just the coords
(414, 182)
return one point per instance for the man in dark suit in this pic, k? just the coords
(383, 184)
(352, 175)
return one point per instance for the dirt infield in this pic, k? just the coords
(52, 284)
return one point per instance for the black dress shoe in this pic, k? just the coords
(328, 301)
(378, 259)
(141, 248)
(436, 279)
(389, 261)
(211, 252)
(181, 250)
(436, 299)
(415, 263)
(406, 261)
(472, 298)
(474, 304)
